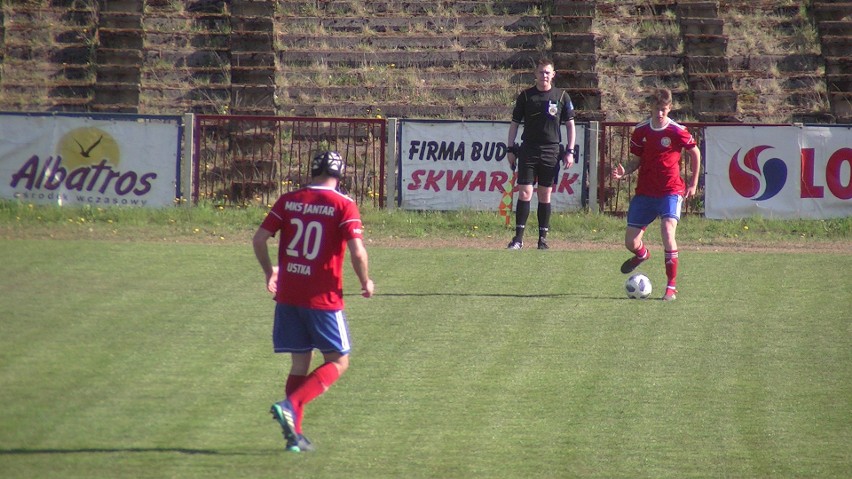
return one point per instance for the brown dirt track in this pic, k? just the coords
(161, 235)
(562, 245)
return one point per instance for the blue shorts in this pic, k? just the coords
(301, 330)
(644, 210)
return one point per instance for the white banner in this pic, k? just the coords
(778, 171)
(451, 165)
(108, 160)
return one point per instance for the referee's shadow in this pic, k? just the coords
(23, 451)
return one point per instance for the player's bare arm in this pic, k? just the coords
(513, 132)
(261, 252)
(621, 171)
(360, 264)
(694, 155)
(569, 159)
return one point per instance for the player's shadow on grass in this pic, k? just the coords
(125, 450)
(482, 295)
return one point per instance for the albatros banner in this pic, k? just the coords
(90, 159)
(778, 171)
(456, 165)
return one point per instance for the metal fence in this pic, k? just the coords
(614, 148)
(242, 160)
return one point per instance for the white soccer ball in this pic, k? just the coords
(638, 286)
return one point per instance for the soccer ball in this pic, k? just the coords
(638, 286)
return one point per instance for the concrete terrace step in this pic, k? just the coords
(838, 66)
(764, 7)
(187, 41)
(841, 106)
(190, 59)
(215, 56)
(802, 63)
(413, 93)
(710, 81)
(831, 10)
(573, 42)
(402, 110)
(582, 62)
(157, 22)
(199, 100)
(256, 8)
(698, 9)
(120, 20)
(714, 100)
(841, 82)
(117, 94)
(650, 63)
(571, 24)
(433, 77)
(469, 24)
(563, 8)
(454, 75)
(70, 90)
(119, 56)
(413, 42)
(70, 104)
(701, 26)
(253, 75)
(705, 45)
(523, 59)
(837, 46)
(118, 73)
(835, 27)
(419, 7)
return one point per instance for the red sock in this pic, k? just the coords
(642, 252)
(314, 384)
(671, 267)
(293, 383)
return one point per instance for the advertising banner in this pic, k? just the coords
(108, 160)
(778, 171)
(452, 165)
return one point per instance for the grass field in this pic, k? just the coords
(153, 360)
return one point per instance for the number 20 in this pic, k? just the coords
(309, 236)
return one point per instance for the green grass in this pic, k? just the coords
(217, 224)
(153, 359)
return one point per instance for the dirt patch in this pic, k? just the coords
(494, 243)
(204, 236)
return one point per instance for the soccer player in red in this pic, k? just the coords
(316, 225)
(655, 147)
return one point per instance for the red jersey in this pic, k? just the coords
(659, 151)
(315, 225)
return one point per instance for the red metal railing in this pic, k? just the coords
(240, 160)
(614, 196)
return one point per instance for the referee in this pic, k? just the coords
(542, 109)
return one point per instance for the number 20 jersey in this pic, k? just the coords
(315, 224)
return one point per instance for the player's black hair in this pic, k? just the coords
(329, 163)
